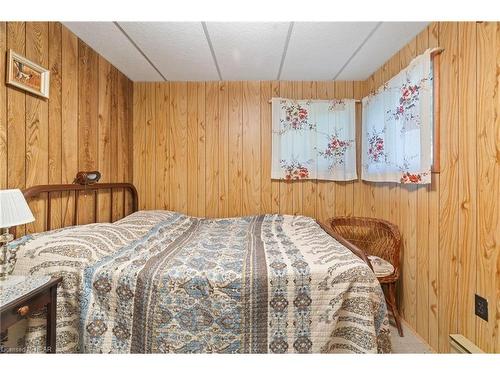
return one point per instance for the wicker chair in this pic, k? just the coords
(374, 237)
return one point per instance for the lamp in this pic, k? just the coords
(14, 210)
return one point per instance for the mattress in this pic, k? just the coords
(164, 282)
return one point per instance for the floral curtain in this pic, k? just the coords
(314, 139)
(397, 127)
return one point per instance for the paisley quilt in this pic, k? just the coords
(163, 282)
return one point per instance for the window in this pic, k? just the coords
(397, 130)
(314, 139)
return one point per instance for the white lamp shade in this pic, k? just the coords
(14, 209)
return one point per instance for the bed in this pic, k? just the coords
(165, 282)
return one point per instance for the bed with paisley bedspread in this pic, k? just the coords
(163, 282)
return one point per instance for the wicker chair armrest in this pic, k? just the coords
(396, 238)
(356, 250)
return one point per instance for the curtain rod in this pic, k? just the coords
(316, 100)
(436, 51)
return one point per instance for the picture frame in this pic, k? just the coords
(27, 75)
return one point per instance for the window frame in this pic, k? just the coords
(436, 131)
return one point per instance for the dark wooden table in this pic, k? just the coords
(21, 307)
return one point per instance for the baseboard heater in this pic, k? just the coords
(460, 344)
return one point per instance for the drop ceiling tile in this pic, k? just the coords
(107, 40)
(248, 50)
(389, 38)
(318, 50)
(178, 49)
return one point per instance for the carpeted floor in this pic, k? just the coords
(410, 343)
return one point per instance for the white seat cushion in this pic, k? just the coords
(381, 267)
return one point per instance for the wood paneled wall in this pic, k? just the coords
(83, 126)
(451, 229)
(204, 148)
(207, 147)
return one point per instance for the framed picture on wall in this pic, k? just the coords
(27, 75)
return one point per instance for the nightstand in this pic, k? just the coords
(22, 295)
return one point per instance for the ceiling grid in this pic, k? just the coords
(213, 51)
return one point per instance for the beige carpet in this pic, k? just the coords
(410, 343)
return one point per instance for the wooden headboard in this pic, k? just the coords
(46, 192)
